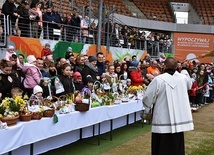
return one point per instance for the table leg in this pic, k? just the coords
(127, 119)
(31, 149)
(93, 130)
(111, 129)
(81, 134)
(99, 134)
(10, 153)
(135, 117)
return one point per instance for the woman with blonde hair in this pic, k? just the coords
(80, 63)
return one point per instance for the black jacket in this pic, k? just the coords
(67, 84)
(24, 16)
(9, 9)
(6, 85)
(88, 71)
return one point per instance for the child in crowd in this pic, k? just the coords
(46, 51)
(36, 98)
(66, 79)
(89, 87)
(77, 79)
(206, 93)
(192, 92)
(16, 91)
(9, 53)
(110, 78)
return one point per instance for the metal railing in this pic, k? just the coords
(56, 31)
(3, 38)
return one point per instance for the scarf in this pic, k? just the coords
(94, 68)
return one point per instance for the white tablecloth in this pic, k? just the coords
(46, 135)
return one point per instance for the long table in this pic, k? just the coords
(39, 136)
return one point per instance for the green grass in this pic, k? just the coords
(89, 146)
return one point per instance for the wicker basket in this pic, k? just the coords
(58, 102)
(10, 121)
(82, 107)
(48, 113)
(26, 117)
(36, 116)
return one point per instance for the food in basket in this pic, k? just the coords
(63, 110)
(25, 115)
(48, 113)
(78, 98)
(36, 115)
(11, 118)
(37, 111)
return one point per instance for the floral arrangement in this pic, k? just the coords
(12, 106)
(135, 89)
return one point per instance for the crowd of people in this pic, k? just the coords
(42, 19)
(76, 72)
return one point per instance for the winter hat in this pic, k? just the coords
(209, 70)
(89, 79)
(77, 75)
(31, 59)
(10, 47)
(48, 45)
(195, 68)
(92, 58)
(37, 89)
(134, 63)
(69, 49)
(129, 80)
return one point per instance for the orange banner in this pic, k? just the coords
(191, 45)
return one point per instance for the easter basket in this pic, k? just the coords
(58, 102)
(25, 117)
(10, 120)
(82, 107)
(48, 113)
(36, 116)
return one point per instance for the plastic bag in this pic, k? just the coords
(58, 86)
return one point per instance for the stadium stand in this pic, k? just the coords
(120, 6)
(155, 10)
(160, 10)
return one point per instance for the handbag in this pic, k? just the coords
(58, 86)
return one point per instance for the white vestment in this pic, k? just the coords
(168, 93)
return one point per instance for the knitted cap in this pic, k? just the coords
(89, 79)
(77, 75)
(10, 47)
(31, 59)
(134, 63)
(37, 89)
(69, 49)
(48, 45)
(92, 58)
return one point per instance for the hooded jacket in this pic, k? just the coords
(32, 76)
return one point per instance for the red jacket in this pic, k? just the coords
(45, 52)
(136, 77)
